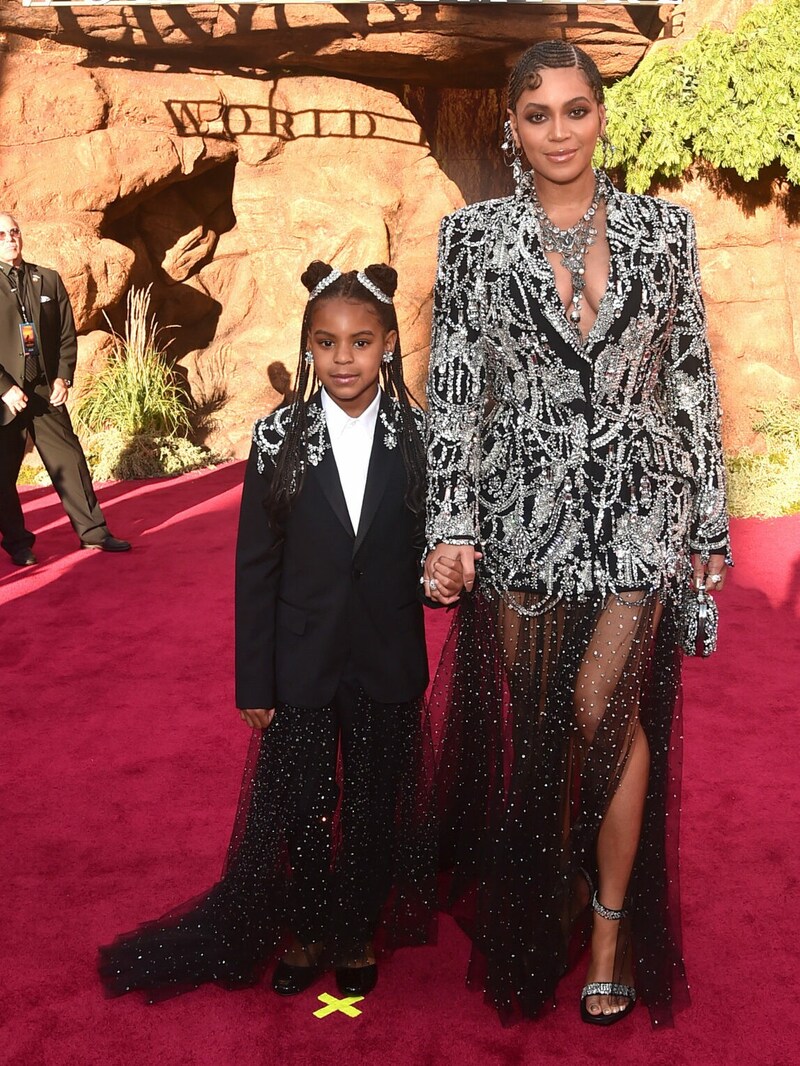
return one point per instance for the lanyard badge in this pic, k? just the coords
(27, 333)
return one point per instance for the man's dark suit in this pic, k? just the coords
(329, 629)
(49, 426)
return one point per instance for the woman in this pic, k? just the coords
(574, 439)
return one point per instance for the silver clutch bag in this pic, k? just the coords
(698, 618)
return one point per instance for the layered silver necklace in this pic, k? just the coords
(571, 244)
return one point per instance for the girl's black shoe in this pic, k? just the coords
(289, 980)
(356, 980)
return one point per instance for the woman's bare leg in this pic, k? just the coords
(616, 850)
(618, 647)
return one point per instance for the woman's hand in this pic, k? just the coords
(257, 717)
(710, 575)
(448, 568)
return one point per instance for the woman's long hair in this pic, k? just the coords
(290, 464)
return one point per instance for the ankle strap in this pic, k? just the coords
(606, 912)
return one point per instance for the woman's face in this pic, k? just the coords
(558, 124)
(348, 339)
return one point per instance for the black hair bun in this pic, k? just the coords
(314, 273)
(385, 277)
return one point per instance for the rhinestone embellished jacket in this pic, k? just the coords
(576, 466)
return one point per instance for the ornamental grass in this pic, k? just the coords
(135, 415)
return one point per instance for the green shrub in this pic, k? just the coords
(33, 473)
(767, 484)
(731, 100)
(135, 416)
(137, 391)
(114, 455)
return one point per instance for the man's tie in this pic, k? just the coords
(31, 371)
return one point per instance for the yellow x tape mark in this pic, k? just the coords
(332, 1004)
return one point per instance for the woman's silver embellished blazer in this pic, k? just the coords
(576, 466)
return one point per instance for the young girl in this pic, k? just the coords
(334, 842)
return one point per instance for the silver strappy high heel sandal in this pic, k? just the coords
(607, 988)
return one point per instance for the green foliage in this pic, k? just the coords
(768, 483)
(134, 416)
(136, 392)
(729, 99)
(33, 473)
(113, 454)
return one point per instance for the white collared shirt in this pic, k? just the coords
(351, 443)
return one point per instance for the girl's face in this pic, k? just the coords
(348, 340)
(558, 124)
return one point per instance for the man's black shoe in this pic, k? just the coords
(108, 544)
(23, 557)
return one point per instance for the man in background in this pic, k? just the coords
(38, 351)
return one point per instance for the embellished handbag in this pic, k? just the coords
(698, 620)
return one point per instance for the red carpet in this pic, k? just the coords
(122, 756)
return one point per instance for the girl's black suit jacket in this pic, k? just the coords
(327, 600)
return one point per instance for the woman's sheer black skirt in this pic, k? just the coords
(535, 710)
(316, 853)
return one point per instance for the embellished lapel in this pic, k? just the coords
(622, 238)
(378, 470)
(527, 259)
(532, 262)
(325, 469)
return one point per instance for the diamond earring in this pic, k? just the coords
(308, 355)
(608, 152)
(512, 157)
(388, 356)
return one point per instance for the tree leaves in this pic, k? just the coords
(729, 99)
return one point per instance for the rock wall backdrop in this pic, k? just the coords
(212, 151)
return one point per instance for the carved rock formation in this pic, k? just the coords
(170, 147)
(750, 262)
(141, 188)
(442, 44)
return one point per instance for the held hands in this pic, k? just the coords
(710, 575)
(15, 399)
(448, 569)
(257, 717)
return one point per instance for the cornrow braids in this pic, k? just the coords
(551, 55)
(290, 464)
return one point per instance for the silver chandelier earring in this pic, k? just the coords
(308, 355)
(512, 157)
(608, 152)
(388, 356)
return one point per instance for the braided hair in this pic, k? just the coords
(551, 55)
(291, 460)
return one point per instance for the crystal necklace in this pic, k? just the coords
(571, 244)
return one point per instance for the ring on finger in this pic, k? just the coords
(433, 584)
(715, 578)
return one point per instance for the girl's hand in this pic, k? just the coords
(461, 556)
(257, 717)
(710, 575)
(449, 574)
